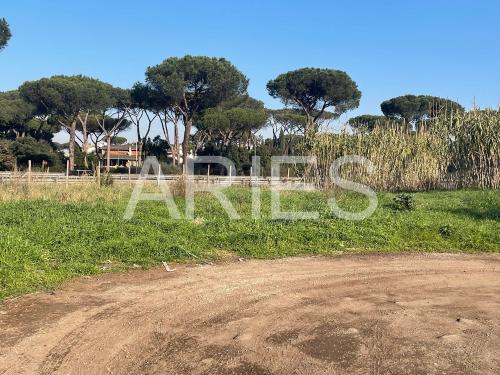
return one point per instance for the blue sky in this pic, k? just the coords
(390, 48)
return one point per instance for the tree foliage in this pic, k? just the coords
(192, 84)
(157, 147)
(5, 33)
(415, 108)
(107, 122)
(117, 140)
(64, 98)
(366, 122)
(195, 83)
(24, 149)
(17, 119)
(207, 93)
(235, 120)
(14, 113)
(313, 91)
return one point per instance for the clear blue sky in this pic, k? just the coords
(390, 48)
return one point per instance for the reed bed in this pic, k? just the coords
(453, 150)
(475, 148)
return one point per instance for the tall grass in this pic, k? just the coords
(475, 148)
(454, 150)
(85, 192)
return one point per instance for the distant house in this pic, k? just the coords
(121, 155)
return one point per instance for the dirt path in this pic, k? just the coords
(411, 314)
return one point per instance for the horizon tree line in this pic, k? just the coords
(205, 94)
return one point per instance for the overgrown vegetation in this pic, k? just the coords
(49, 234)
(404, 202)
(420, 143)
(456, 149)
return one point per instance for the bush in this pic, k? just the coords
(404, 202)
(169, 169)
(445, 230)
(178, 187)
(106, 179)
(24, 149)
(7, 160)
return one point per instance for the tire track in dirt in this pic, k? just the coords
(405, 314)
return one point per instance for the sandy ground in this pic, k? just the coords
(411, 314)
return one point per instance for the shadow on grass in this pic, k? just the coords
(491, 213)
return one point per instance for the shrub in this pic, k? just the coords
(106, 179)
(171, 169)
(404, 202)
(178, 186)
(28, 148)
(445, 230)
(7, 160)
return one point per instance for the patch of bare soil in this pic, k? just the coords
(374, 314)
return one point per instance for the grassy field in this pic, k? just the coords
(49, 234)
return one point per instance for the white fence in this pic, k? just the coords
(47, 178)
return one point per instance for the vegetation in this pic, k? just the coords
(404, 202)
(475, 148)
(233, 123)
(64, 99)
(415, 108)
(41, 246)
(193, 84)
(7, 160)
(366, 123)
(313, 91)
(460, 149)
(51, 233)
(5, 33)
(25, 149)
(421, 140)
(118, 140)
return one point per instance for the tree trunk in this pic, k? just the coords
(175, 151)
(85, 138)
(141, 143)
(71, 147)
(188, 123)
(108, 152)
(308, 126)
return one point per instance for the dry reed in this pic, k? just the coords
(454, 150)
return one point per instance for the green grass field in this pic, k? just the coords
(46, 238)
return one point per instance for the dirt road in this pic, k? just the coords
(411, 314)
